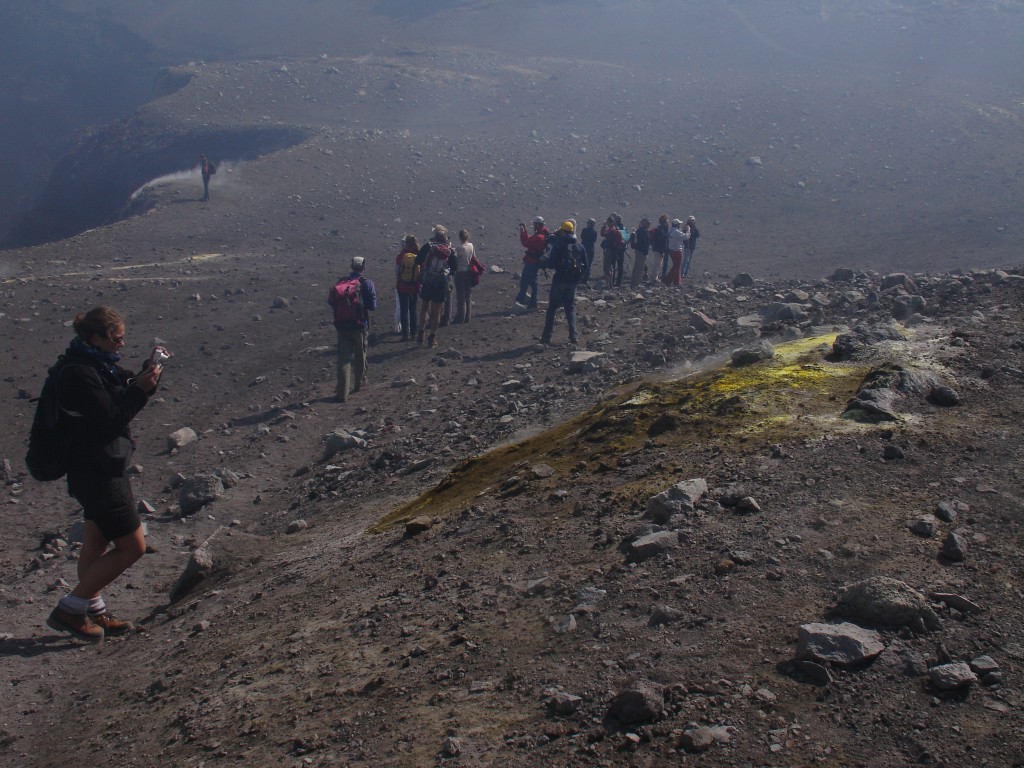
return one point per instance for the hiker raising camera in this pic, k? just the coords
(95, 401)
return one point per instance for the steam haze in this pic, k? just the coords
(883, 125)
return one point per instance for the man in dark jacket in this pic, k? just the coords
(691, 243)
(567, 258)
(640, 244)
(206, 169)
(659, 244)
(588, 239)
(352, 324)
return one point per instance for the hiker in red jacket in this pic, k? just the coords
(534, 245)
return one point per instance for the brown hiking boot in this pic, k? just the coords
(433, 341)
(81, 626)
(110, 625)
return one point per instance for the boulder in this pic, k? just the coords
(843, 644)
(641, 702)
(681, 497)
(887, 601)
(755, 353)
(198, 491)
(952, 677)
(181, 437)
(652, 545)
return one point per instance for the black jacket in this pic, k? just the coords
(98, 405)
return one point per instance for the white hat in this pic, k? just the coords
(358, 262)
(538, 219)
(676, 223)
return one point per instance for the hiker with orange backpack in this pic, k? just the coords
(407, 284)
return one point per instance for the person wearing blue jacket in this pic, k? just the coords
(352, 324)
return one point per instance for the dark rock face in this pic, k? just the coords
(93, 184)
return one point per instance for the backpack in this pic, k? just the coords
(347, 299)
(572, 262)
(211, 168)
(49, 446)
(436, 265)
(624, 235)
(409, 270)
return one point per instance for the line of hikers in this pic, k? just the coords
(425, 275)
(672, 244)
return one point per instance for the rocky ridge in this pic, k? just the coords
(599, 596)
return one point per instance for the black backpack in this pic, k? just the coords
(49, 446)
(572, 262)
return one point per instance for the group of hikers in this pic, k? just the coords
(672, 244)
(425, 275)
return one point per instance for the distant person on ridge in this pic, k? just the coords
(207, 169)
(534, 245)
(436, 260)
(567, 259)
(352, 298)
(691, 243)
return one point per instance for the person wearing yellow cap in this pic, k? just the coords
(568, 259)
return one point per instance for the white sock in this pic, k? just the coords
(75, 605)
(97, 606)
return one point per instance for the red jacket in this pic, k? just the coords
(534, 244)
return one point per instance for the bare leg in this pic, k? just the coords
(98, 566)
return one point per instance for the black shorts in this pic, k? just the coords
(107, 501)
(434, 293)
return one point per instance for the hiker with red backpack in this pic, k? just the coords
(352, 299)
(407, 284)
(436, 260)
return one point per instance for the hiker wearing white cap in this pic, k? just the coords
(352, 299)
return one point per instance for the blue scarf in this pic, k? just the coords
(104, 361)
